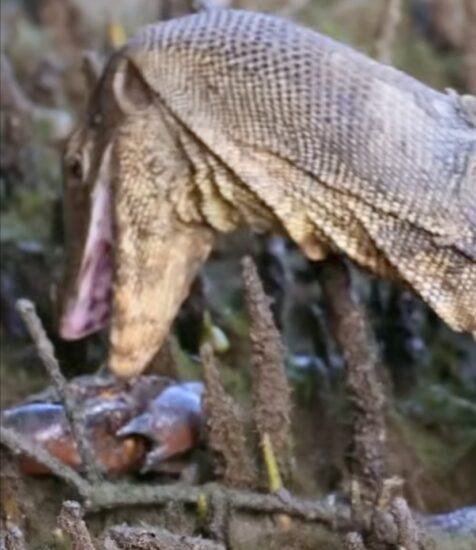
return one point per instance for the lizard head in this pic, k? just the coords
(130, 259)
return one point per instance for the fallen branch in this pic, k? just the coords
(114, 495)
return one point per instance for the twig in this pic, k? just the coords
(14, 539)
(149, 538)
(218, 527)
(19, 444)
(469, 46)
(342, 8)
(203, 5)
(387, 30)
(45, 350)
(353, 541)
(272, 395)
(111, 495)
(70, 520)
(409, 535)
(349, 325)
(13, 97)
(292, 7)
(225, 433)
(14, 100)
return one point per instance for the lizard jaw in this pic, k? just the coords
(89, 308)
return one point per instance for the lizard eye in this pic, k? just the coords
(74, 169)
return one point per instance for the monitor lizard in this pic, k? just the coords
(223, 119)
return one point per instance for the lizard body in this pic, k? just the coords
(229, 118)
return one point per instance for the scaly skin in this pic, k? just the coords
(225, 119)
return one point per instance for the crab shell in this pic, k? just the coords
(46, 424)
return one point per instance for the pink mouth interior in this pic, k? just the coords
(89, 309)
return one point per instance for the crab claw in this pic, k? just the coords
(154, 459)
(140, 425)
(172, 423)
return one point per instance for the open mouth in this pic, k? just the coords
(89, 308)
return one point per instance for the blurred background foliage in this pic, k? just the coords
(430, 371)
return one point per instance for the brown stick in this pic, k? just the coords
(365, 391)
(12, 98)
(18, 444)
(14, 539)
(409, 534)
(272, 395)
(157, 539)
(469, 47)
(46, 352)
(225, 435)
(70, 520)
(353, 541)
(387, 30)
(292, 8)
(110, 495)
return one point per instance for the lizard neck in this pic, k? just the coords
(215, 194)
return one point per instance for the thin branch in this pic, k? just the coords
(387, 30)
(14, 539)
(46, 352)
(218, 526)
(110, 495)
(18, 444)
(70, 520)
(353, 541)
(342, 8)
(272, 394)
(469, 47)
(365, 391)
(409, 533)
(12, 97)
(150, 538)
(225, 435)
(292, 7)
